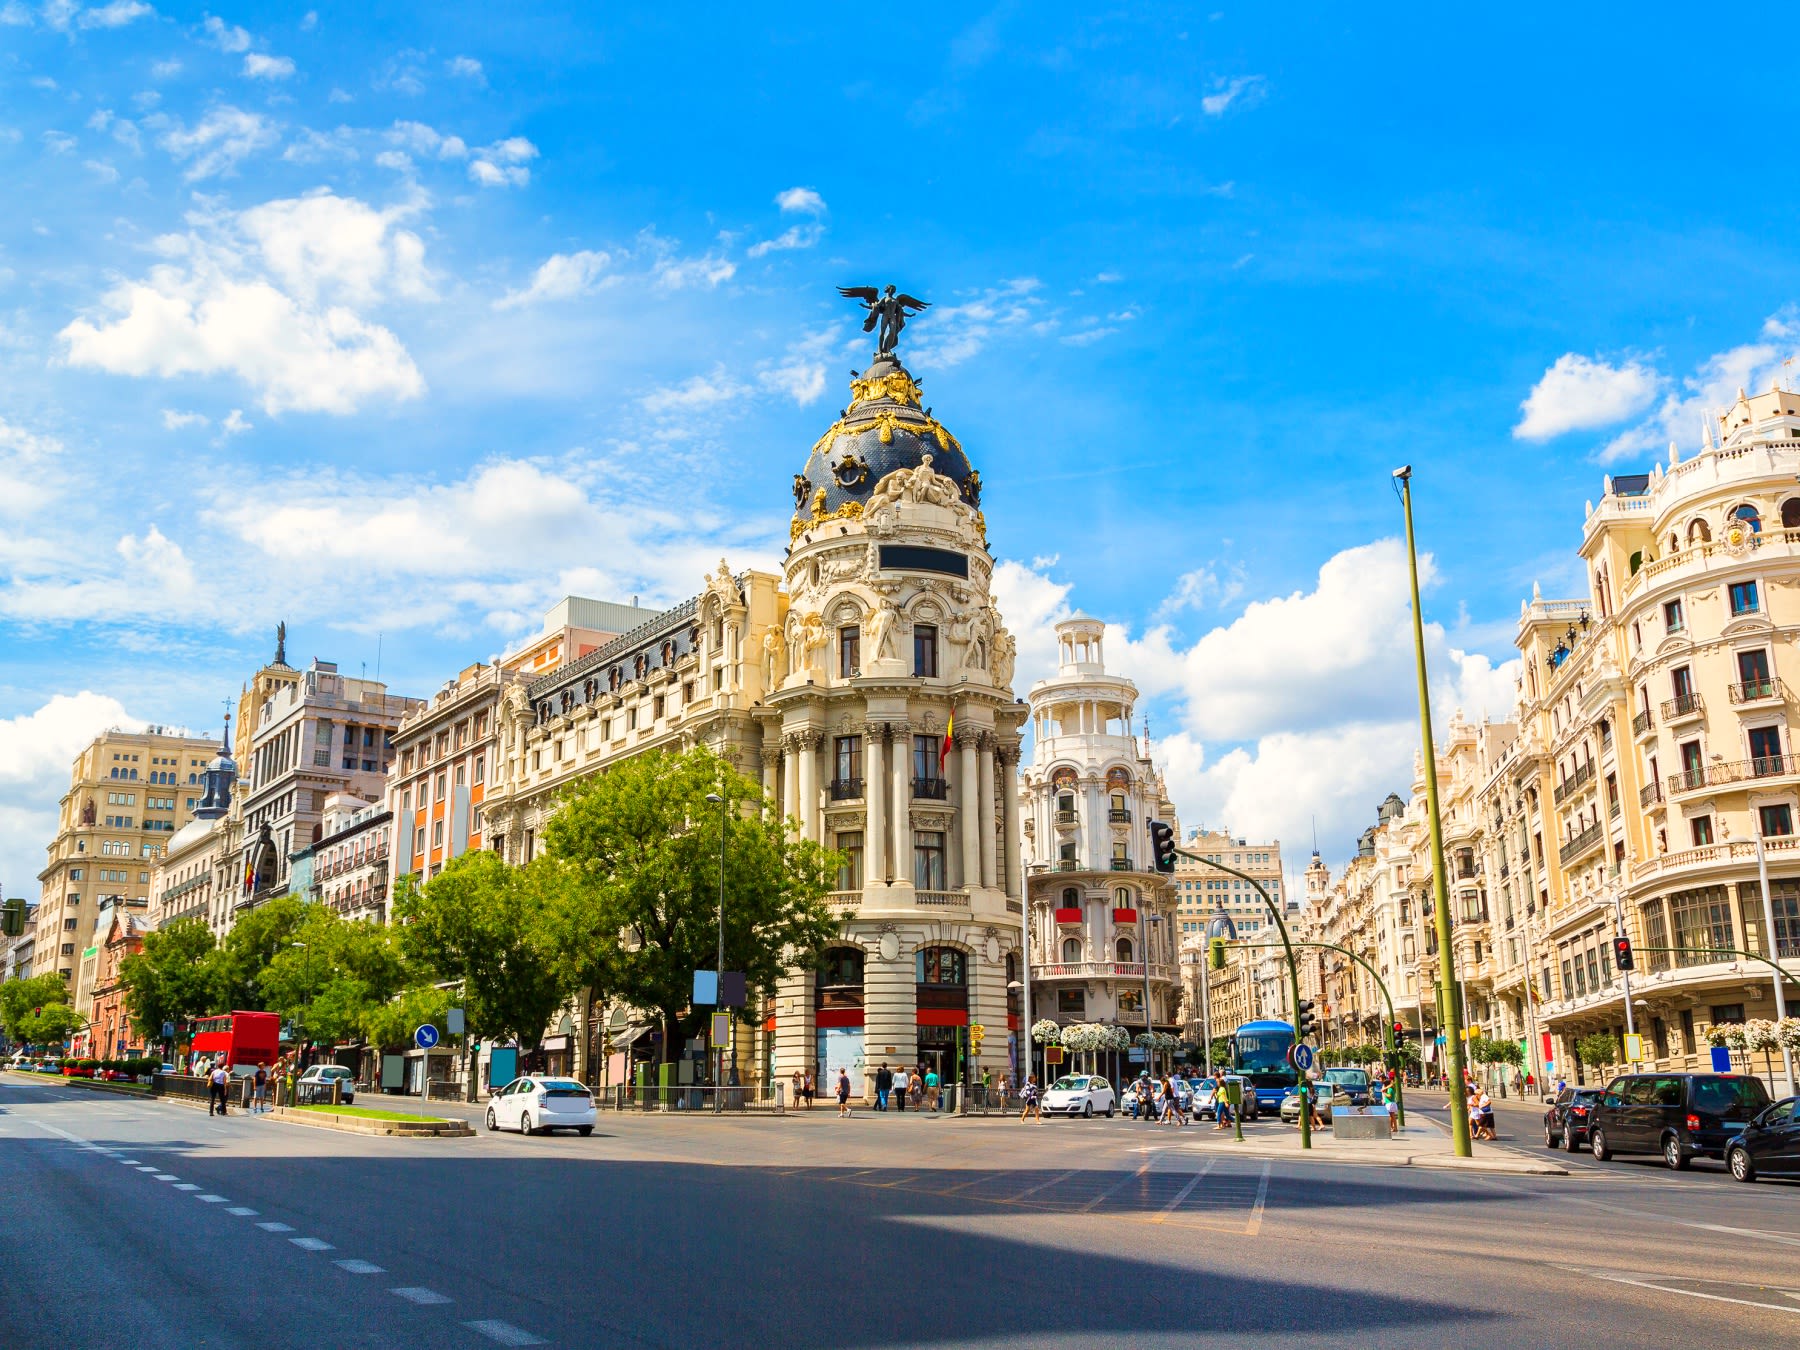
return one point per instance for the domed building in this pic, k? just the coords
(870, 685)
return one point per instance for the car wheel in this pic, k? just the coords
(1738, 1160)
(492, 1123)
(525, 1124)
(1550, 1140)
(585, 1130)
(1597, 1144)
(1087, 1110)
(1673, 1157)
(1568, 1139)
(1109, 1112)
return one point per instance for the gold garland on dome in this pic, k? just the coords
(848, 511)
(898, 386)
(886, 422)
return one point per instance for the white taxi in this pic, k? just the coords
(1079, 1094)
(534, 1104)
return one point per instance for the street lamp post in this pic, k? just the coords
(1768, 906)
(719, 970)
(1452, 1012)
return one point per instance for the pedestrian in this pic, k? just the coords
(884, 1083)
(931, 1088)
(1033, 1105)
(217, 1092)
(1171, 1104)
(1485, 1104)
(900, 1086)
(261, 1097)
(1390, 1093)
(1001, 1086)
(799, 1088)
(811, 1086)
(843, 1092)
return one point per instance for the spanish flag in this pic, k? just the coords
(944, 749)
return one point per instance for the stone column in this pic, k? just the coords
(809, 785)
(1013, 882)
(795, 1044)
(771, 761)
(890, 1004)
(968, 809)
(790, 777)
(902, 779)
(984, 813)
(875, 793)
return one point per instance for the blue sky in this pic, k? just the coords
(400, 325)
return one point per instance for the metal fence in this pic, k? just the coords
(752, 1098)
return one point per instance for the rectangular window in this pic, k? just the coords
(925, 650)
(928, 860)
(1682, 680)
(925, 750)
(1753, 674)
(848, 775)
(1743, 597)
(481, 768)
(1765, 751)
(1784, 897)
(1776, 819)
(1672, 616)
(1702, 830)
(1703, 925)
(1071, 1002)
(437, 834)
(419, 840)
(849, 651)
(850, 871)
(442, 782)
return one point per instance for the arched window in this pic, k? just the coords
(1123, 949)
(1071, 950)
(1012, 967)
(1071, 898)
(1699, 532)
(1748, 514)
(1124, 898)
(1065, 807)
(1674, 542)
(840, 978)
(942, 965)
(1790, 514)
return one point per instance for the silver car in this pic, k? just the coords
(315, 1084)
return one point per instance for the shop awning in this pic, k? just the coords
(621, 1040)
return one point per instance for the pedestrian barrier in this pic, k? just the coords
(187, 1085)
(761, 1099)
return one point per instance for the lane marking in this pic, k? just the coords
(275, 1227)
(1262, 1195)
(166, 1176)
(187, 1186)
(359, 1267)
(414, 1293)
(211, 1199)
(146, 1167)
(1119, 1186)
(1185, 1192)
(1063, 1176)
(129, 1162)
(1693, 1293)
(241, 1212)
(312, 1244)
(504, 1332)
(1689, 1223)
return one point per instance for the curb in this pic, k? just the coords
(116, 1089)
(407, 1129)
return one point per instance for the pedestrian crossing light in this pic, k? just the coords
(1162, 845)
(1215, 954)
(1622, 952)
(976, 1033)
(1305, 1024)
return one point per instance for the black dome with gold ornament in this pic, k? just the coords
(883, 429)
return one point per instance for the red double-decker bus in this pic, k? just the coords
(245, 1039)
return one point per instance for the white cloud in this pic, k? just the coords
(1578, 394)
(218, 141)
(36, 751)
(114, 15)
(796, 236)
(259, 66)
(1244, 90)
(103, 170)
(162, 70)
(561, 276)
(30, 466)
(404, 73)
(1204, 588)
(14, 15)
(227, 37)
(801, 199)
(266, 296)
(65, 15)
(503, 163)
(59, 142)
(314, 147)
(800, 374)
(235, 423)
(467, 68)
(699, 391)
(175, 420)
(309, 21)
(1088, 336)
(958, 331)
(427, 142)
(708, 270)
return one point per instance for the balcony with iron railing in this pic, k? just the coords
(1650, 794)
(1757, 691)
(1642, 722)
(936, 789)
(1585, 842)
(1741, 770)
(1101, 970)
(1121, 864)
(1583, 775)
(1068, 817)
(1068, 864)
(846, 789)
(1682, 707)
(1119, 815)
(1691, 779)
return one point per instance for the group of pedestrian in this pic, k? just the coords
(1481, 1112)
(894, 1088)
(1155, 1100)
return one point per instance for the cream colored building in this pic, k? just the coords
(1099, 909)
(1204, 891)
(836, 681)
(129, 793)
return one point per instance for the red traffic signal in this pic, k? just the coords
(1622, 953)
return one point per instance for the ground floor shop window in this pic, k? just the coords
(840, 1048)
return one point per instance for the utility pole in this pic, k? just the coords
(1453, 1041)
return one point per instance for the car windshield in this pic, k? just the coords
(1721, 1094)
(1069, 1084)
(1349, 1077)
(561, 1085)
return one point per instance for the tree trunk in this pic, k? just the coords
(671, 1036)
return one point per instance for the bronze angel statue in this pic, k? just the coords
(887, 308)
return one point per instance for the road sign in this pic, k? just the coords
(706, 987)
(426, 1036)
(453, 1022)
(1634, 1049)
(721, 1028)
(1053, 1054)
(1301, 1057)
(168, 1031)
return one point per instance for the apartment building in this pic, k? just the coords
(1203, 891)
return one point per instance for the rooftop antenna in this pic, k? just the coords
(1315, 828)
(378, 658)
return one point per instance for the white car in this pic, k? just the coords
(534, 1104)
(315, 1084)
(1080, 1094)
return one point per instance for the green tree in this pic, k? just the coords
(1598, 1050)
(487, 926)
(175, 978)
(36, 1010)
(334, 976)
(641, 843)
(253, 942)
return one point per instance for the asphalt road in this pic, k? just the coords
(145, 1225)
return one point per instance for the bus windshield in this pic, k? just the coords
(1259, 1051)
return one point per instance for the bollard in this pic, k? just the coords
(337, 1092)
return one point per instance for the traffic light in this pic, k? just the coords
(1305, 1024)
(1162, 845)
(1622, 953)
(12, 918)
(977, 1033)
(1215, 953)
(1399, 1034)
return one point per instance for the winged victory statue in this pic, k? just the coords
(886, 308)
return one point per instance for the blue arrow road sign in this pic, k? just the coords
(1303, 1057)
(426, 1036)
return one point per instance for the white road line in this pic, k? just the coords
(1061, 1176)
(505, 1333)
(312, 1244)
(1256, 1211)
(166, 1176)
(240, 1211)
(413, 1293)
(275, 1227)
(146, 1167)
(1694, 1293)
(359, 1267)
(211, 1199)
(1185, 1192)
(187, 1186)
(1119, 1186)
(1688, 1223)
(129, 1162)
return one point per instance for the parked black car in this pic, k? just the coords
(1682, 1116)
(1769, 1145)
(1567, 1116)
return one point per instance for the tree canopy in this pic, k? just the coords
(175, 978)
(335, 977)
(36, 1011)
(638, 911)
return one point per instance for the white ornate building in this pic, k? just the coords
(1099, 909)
(837, 681)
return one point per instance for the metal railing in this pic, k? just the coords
(1649, 793)
(1121, 864)
(942, 899)
(1763, 766)
(1067, 817)
(1068, 864)
(1688, 780)
(1642, 723)
(1118, 815)
(1582, 776)
(935, 789)
(846, 789)
(1754, 691)
(1682, 705)
(1580, 844)
(750, 1098)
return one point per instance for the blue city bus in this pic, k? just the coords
(1259, 1052)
